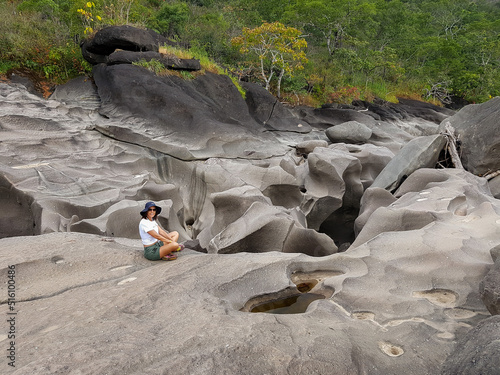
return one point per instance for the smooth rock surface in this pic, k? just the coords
(421, 152)
(490, 285)
(399, 299)
(349, 132)
(477, 129)
(477, 353)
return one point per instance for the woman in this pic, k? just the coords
(158, 244)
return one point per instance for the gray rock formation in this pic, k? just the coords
(477, 353)
(495, 186)
(383, 283)
(349, 132)
(477, 129)
(490, 285)
(421, 152)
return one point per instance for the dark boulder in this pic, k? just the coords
(404, 110)
(426, 111)
(269, 111)
(477, 128)
(190, 119)
(490, 285)
(128, 38)
(91, 57)
(477, 352)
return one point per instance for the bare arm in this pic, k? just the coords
(161, 237)
(165, 234)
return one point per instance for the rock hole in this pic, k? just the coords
(339, 226)
(306, 287)
(390, 349)
(57, 259)
(438, 297)
(309, 286)
(297, 304)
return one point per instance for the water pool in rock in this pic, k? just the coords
(290, 305)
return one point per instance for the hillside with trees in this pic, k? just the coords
(304, 51)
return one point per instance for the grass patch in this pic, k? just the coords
(207, 65)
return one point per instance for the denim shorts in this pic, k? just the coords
(152, 252)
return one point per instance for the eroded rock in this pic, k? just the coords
(349, 132)
(477, 352)
(477, 129)
(421, 152)
(490, 285)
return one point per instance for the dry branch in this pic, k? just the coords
(452, 146)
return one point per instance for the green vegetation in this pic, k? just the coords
(356, 49)
(153, 65)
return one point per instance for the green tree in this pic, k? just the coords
(335, 23)
(170, 18)
(277, 47)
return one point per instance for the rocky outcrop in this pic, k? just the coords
(422, 152)
(477, 353)
(369, 277)
(349, 132)
(476, 126)
(490, 285)
(127, 45)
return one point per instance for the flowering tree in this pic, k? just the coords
(279, 49)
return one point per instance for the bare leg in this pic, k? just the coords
(174, 235)
(168, 248)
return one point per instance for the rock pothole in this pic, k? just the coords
(390, 349)
(309, 288)
(438, 297)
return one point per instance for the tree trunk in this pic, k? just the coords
(280, 77)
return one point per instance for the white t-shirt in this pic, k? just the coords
(145, 226)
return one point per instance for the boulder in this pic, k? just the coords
(421, 152)
(177, 117)
(426, 111)
(306, 147)
(477, 352)
(264, 228)
(332, 190)
(372, 199)
(270, 112)
(476, 126)
(494, 185)
(125, 37)
(349, 132)
(490, 285)
(373, 159)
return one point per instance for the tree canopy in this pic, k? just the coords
(376, 48)
(277, 47)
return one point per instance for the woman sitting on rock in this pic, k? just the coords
(158, 244)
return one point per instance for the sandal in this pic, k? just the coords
(169, 257)
(180, 248)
